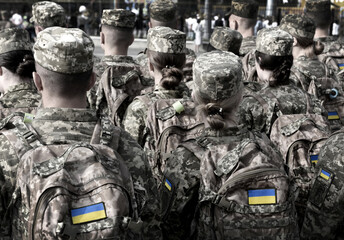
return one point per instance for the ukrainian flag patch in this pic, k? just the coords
(88, 213)
(168, 185)
(341, 66)
(333, 116)
(262, 196)
(325, 175)
(314, 159)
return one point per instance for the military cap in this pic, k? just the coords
(274, 42)
(48, 14)
(318, 6)
(13, 39)
(226, 39)
(298, 26)
(166, 40)
(163, 10)
(118, 18)
(64, 50)
(217, 75)
(245, 8)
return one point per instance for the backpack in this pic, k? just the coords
(244, 191)
(81, 190)
(169, 123)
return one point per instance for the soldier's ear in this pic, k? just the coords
(0, 71)
(102, 40)
(92, 81)
(149, 24)
(38, 29)
(38, 81)
(295, 42)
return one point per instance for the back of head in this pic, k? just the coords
(245, 8)
(218, 86)
(166, 52)
(15, 52)
(319, 11)
(64, 59)
(226, 39)
(163, 13)
(48, 14)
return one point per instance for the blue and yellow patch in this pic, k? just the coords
(88, 213)
(341, 66)
(314, 159)
(333, 116)
(168, 185)
(262, 196)
(325, 175)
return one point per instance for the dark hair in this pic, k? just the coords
(315, 47)
(19, 62)
(321, 20)
(279, 65)
(171, 67)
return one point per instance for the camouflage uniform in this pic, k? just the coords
(68, 125)
(48, 14)
(226, 39)
(324, 213)
(164, 40)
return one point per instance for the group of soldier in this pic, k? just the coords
(194, 139)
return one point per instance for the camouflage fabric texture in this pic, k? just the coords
(13, 39)
(226, 39)
(317, 6)
(217, 75)
(298, 26)
(166, 40)
(64, 50)
(245, 8)
(274, 42)
(324, 213)
(48, 14)
(60, 126)
(248, 44)
(163, 10)
(118, 18)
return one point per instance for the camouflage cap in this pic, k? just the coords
(298, 26)
(245, 8)
(318, 6)
(64, 50)
(217, 75)
(226, 39)
(13, 39)
(48, 14)
(166, 40)
(118, 18)
(163, 10)
(274, 42)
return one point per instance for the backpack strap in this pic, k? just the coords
(103, 132)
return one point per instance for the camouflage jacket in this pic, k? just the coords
(259, 113)
(67, 126)
(247, 45)
(325, 212)
(327, 41)
(136, 114)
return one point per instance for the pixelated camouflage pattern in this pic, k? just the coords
(226, 39)
(118, 18)
(249, 67)
(274, 42)
(248, 44)
(163, 10)
(64, 50)
(217, 75)
(166, 40)
(68, 126)
(324, 220)
(13, 39)
(48, 14)
(136, 114)
(245, 8)
(317, 5)
(298, 26)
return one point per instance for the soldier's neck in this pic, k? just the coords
(246, 32)
(321, 33)
(113, 51)
(58, 102)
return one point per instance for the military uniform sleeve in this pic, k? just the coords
(134, 119)
(179, 194)
(144, 185)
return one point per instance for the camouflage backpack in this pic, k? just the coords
(72, 191)
(119, 85)
(169, 123)
(244, 191)
(331, 94)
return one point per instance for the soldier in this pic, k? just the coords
(225, 39)
(16, 67)
(64, 63)
(273, 62)
(166, 57)
(243, 18)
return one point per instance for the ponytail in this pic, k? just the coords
(171, 77)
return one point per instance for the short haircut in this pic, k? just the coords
(117, 35)
(171, 24)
